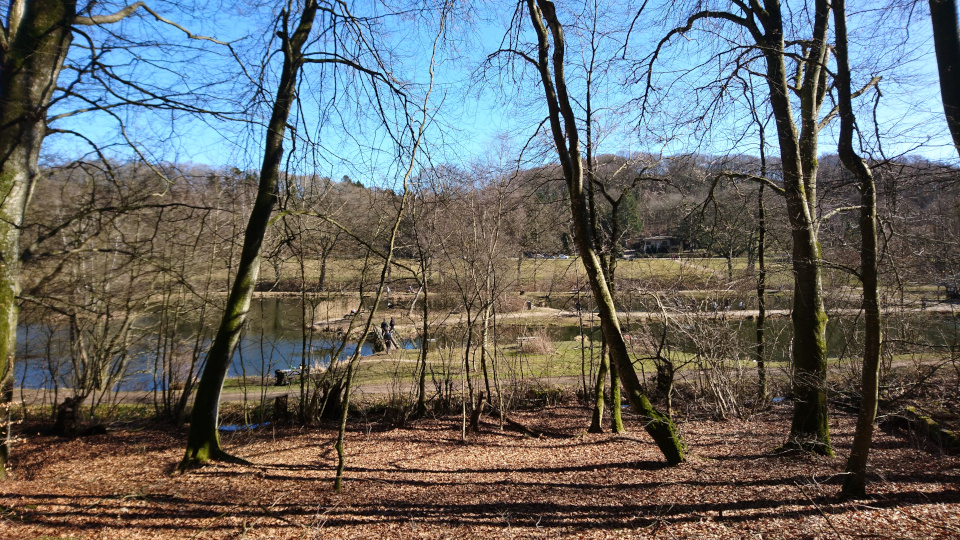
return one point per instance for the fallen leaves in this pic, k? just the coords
(422, 482)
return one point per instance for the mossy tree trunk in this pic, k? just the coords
(809, 429)
(566, 139)
(599, 402)
(763, 23)
(596, 421)
(616, 415)
(203, 441)
(35, 44)
(608, 262)
(854, 483)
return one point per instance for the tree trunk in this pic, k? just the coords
(466, 370)
(809, 430)
(424, 350)
(484, 338)
(946, 43)
(67, 421)
(306, 339)
(761, 301)
(345, 414)
(203, 441)
(31, 63)
(761, 272)
(322, 280)
(854, 483)
(566, 140)
(596, 422)
(665, 371)
(616, 416)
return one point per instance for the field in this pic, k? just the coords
(547, 274)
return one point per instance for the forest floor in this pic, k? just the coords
(422, 481)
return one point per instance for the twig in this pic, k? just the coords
(274, 515)
(822, 513)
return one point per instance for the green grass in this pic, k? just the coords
(552, 276)
(565, 360)
(535, 275)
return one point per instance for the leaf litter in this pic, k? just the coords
(421, 481)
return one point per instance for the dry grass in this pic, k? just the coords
(537, 343)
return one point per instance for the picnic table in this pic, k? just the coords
(285, 376)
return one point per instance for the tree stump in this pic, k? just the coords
(67, 420)
(281, 410)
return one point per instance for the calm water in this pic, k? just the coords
(271, 340)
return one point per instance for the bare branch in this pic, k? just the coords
(112, 18)
(30, 252)
(129, 10)
(745, 22)
(521, 54)
(836, 211)
(357, 238)
(337, 59)
(836, 108)
(753, 178)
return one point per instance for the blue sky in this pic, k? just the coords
(472, 119)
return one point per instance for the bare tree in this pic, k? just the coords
(855, 481)
(764, 24)
(203, 441)
(563, 126)
(34, 44)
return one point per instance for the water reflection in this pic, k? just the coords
(272, 339)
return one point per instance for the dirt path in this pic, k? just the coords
(536, 313)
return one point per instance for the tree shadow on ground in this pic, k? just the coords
(166, 512)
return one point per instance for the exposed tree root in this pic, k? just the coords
(193, 460)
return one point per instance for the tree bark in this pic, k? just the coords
(596, 421)
(946, 43)
(809, 429)
(566, 139)
(760, 357)
(203, 441)
(616, 416)
(484, 350)
(854, 483)
(39, 39)
(424, 350)
(761, 300)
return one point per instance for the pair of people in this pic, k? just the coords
(384, 328)
(387, 332)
